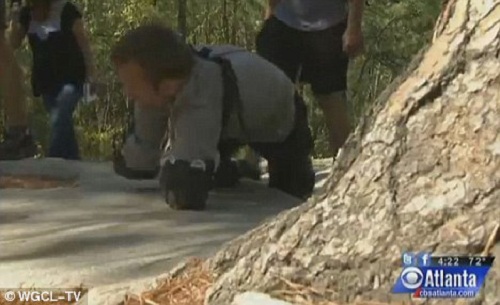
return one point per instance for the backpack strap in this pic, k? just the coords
(231, 97)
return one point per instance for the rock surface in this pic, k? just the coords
(112, 234)
(256, 298)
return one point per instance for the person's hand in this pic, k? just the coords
(353, 42)
(121, 169)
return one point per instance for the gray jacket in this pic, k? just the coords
(195, 127)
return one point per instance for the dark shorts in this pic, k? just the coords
(324, 64)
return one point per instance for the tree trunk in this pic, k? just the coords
(225, 20)
(420, 173)
(182, 17)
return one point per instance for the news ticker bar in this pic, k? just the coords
(462, 261)
(54, 296)
(425, 259)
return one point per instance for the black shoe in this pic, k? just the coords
(17, 146)
(121, 169)
(227, 175)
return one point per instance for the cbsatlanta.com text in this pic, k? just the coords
(445, 293)
(41, 295)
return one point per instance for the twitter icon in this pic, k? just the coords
(408, 259)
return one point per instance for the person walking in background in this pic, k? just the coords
(62, 63)
(312, 42)
(17, 142)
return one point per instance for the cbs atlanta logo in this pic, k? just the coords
(412, 278)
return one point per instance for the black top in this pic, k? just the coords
(57, 57)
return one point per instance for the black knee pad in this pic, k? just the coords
(185, 185)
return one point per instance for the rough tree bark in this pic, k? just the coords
(182, 18)
(421, 172)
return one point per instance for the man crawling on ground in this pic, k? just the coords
(195, 107)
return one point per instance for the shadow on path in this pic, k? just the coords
(110, 230)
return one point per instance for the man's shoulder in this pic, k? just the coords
(251, 69)
(239, 57)
(211, 51)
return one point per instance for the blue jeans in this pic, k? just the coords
(63, 143)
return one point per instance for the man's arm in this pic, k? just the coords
(271, 6)
(353, 37)
(188, 166)
(355, 17)
(141, 152)
(84, 44)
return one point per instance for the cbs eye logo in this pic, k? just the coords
(412, 278)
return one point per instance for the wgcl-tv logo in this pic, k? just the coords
(423, 278)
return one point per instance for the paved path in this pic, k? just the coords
(110, 230)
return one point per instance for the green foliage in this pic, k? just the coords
(394, 32)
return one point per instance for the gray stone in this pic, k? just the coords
(257, 298)
(49, 167)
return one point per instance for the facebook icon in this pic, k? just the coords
(408, 259)
(424, 259)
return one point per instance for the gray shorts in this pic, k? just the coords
(3, 14)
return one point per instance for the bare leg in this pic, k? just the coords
(11, 80)
(17, 143)
(337, 117)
